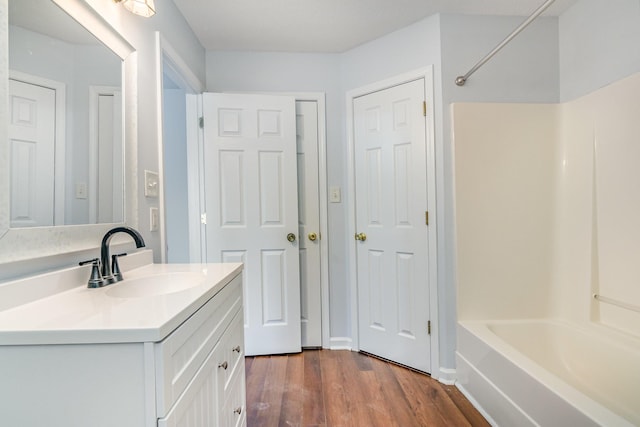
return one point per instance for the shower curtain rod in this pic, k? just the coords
(461, 80)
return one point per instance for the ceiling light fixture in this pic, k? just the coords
(144, 8)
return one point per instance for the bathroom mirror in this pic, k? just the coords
(84, 74)
(65, 121)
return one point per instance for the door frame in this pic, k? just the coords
(426, 74)
(169, 61)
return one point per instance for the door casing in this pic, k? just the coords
(427, 75)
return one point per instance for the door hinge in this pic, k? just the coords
(424, 108)
(429, 327)
(203, 218)
(201, 122)
(426, 217)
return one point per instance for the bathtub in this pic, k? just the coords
(549, 373)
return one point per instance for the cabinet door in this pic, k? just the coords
(233, 413)
(199, 405)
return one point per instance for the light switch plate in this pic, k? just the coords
(334, 195)
(151, 184)
(81, 190)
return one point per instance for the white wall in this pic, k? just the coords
(599, 44)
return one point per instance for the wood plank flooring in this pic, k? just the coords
(349, 389)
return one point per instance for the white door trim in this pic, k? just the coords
(169, 60)
(60, 137)
(426, 74)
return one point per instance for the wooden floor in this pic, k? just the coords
(348, 389)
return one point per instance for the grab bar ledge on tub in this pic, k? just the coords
(621, 304)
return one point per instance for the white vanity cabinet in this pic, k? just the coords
(198, 363)
(191, 376)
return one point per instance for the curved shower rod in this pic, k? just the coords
(461, 80)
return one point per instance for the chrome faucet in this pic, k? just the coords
(107, 274)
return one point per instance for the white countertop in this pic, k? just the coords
(81, 315)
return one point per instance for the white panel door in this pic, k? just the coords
(252, 207)
(309, 218)
(32, 140)
(391, 201)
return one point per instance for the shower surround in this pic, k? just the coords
(546, 202)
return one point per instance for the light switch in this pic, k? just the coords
(151, 184)
(81, 190)
(154, 219)
(334, 195)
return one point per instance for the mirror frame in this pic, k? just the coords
(19, 244)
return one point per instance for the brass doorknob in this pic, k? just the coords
(361, 236)
(312, 236)
(291, 237)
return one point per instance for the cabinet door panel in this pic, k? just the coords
(198, 405)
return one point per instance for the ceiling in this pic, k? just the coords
(326, 25)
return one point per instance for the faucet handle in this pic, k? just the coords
(115, 268)
(95, 280)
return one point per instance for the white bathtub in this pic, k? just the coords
(549, 373)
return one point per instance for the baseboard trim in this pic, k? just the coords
(447, 376)
(340, 343)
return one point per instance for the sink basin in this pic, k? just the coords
(157, 284)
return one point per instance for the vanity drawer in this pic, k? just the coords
(182, 354)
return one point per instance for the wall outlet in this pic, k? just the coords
(334, 195)
(154, 219)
